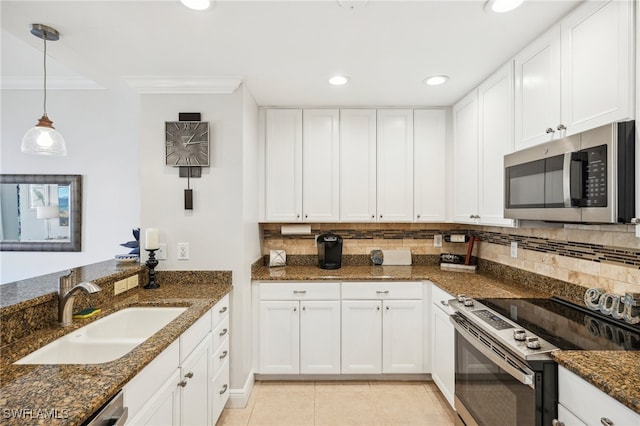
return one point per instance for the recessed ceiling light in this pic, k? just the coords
(501, 6)
(436, 80)
(196, 4)
(339, 80)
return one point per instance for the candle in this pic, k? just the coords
(152, 240)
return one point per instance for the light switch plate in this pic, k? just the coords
(638, 230)
(161, 254)
(514, 249)
(437, 240)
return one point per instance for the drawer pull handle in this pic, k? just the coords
(299, 291)
(223, 310)
(182, 383)
(224, 389)
(444, 303)
(224, 355)
(189, 375)
(382, 292)
(606, 421)
(223, 332)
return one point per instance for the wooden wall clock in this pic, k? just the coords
(187, 143)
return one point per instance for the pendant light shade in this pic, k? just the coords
(43, 139)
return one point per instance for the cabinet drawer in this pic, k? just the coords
(219, 311)
(382, 290)
(194, 335)
(220, 333)
(440, 298)
(220, 356)
(573, 391)
(300, 291)
(219, 392)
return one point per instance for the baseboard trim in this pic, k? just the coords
(238, 398)
(345, 377)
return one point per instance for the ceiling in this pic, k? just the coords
(283, 51)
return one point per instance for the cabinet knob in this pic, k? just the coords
(387, 308)
(224, 389)
(444, 303)
(561, 127)
(606, 422)
(298, 216)
(556, 422)
(418, 216)
(373, 216)
(223, 332)
(223, 310)
(377, 308)
(550, 130)
(304, 308)
(306, 216)
(189, 375)
(380, 216)
(295, 309)
(182, 383)
(224, 355)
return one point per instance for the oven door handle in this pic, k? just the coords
(518, 371)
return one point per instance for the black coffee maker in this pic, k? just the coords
(329, 251)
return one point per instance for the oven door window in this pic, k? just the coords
(536, 184)
(489, 394)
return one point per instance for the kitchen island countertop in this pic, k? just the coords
(613, 372)
(69, 394)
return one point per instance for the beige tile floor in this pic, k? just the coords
(342, 403)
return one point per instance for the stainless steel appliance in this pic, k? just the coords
(504, 374)
(329, 251)
(113, 413)
(588, 177)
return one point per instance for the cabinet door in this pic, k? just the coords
(194, 408)
(320, 166)
(429, 162)
(357, 165)
(443, 352)
(361, 337)
(597, 67)
(320, 337)
(537, 90)
(279, 337)
(465, 154)
(402, 336)
(283, 165)
(163, 408)
(395, 165)
(495, 109)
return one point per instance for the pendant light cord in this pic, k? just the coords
(45, 75)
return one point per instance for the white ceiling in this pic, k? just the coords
(283, 51)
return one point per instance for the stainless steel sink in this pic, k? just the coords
(106, 339)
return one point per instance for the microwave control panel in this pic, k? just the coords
(591, 173)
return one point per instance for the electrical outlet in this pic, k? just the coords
(437, 240)
(638, 230)
(183, 251)
(161, 254)
(514, 249)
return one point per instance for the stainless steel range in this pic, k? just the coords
(504, 373)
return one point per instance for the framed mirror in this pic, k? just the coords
(40, 212)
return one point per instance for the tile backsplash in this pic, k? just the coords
(606, 256)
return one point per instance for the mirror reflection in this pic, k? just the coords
(40, 212)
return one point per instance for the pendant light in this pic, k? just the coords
(43, 139)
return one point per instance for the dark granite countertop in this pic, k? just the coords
(73, 392)
(613, 372)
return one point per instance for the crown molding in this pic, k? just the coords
(53, 83)
(184, 85)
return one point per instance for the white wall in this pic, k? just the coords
(222, 229)
(100, 128)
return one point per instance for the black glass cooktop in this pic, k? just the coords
(567, 326)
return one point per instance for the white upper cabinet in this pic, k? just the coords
(597, 65)
(465, 155)
(283, 165)
(495, 126)
(395, 165)
(429, 165)
(320, 165)
(577, 76)
(358, 165)
(537, 90)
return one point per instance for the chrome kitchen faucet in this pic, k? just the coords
(67, 294)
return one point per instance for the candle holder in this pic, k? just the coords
(151, 264)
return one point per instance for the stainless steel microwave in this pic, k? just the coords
(585, 178)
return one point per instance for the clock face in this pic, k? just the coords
(187, 143)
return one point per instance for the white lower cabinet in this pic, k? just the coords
(601, 409)
(442, 343)
(300, 335)
(381, 331)
(181, 385)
